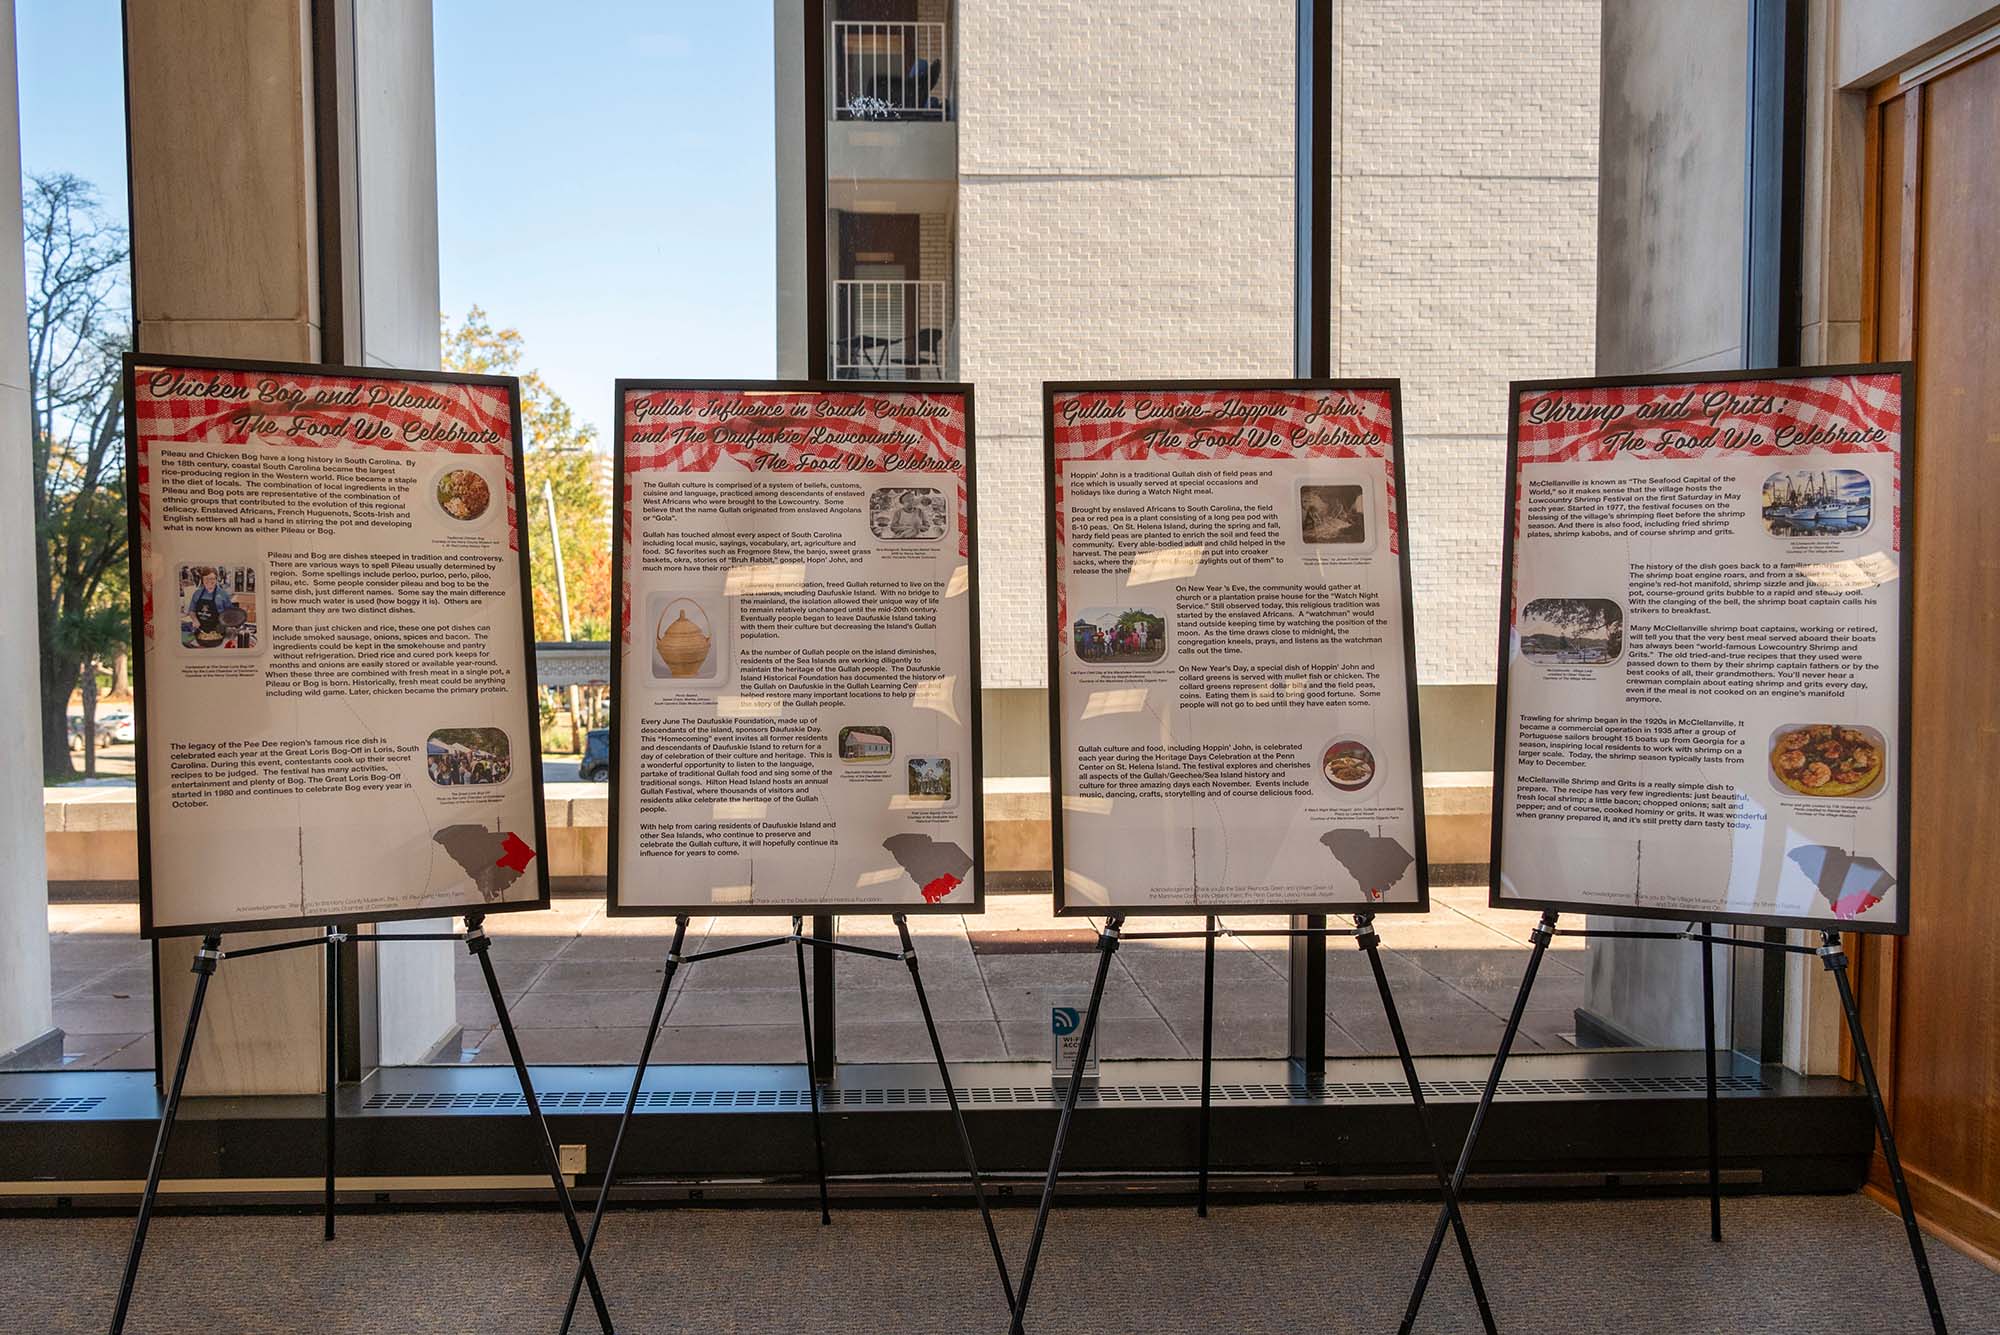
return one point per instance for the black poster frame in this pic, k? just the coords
(977, 791)
(1053, 389)
(151, 930)
(1906, 570)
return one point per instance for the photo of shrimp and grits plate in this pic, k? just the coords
(1828, 760)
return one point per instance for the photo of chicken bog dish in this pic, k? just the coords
(1828, 759)
(463, 494)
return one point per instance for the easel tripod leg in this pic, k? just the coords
(479, 944)
(1543, 934)
(1107, 942)
(1207, 1060)
(812, 1075)
(1714, 1112)
(624, 1121)
(1371, 942)
(332, 1061)
(957, 1114)
(1835, 960)
(205, 960)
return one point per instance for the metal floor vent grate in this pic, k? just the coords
(49, 1107)
(975, 1096)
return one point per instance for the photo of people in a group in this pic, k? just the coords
(1813, 503)
(218, 606)
(1587, 631)
(1120, 635)
(930, 778)
(455, 756)
(866, 743)
(1332, 514)
(684, 639)
(907, 514)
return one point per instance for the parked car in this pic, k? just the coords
(595, 767)
(115, 725)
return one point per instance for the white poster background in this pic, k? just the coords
(819, 755)
(294, 771)
(1749, 534)
(1263, 527)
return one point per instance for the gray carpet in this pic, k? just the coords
(1808, 1265)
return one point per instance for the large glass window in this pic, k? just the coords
(79, 320)
(1012, 194)
(632, 148)
(1032, 194)
(1463, 245)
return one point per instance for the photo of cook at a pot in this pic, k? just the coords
(218, 607)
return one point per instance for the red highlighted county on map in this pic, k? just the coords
(1375, 862)
(1851, 885)
(493, 859)
(937, 868)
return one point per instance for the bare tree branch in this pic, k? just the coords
(77, 264)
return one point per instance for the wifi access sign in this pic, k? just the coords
(1066, 1011)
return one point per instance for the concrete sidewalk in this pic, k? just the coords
(581, 987)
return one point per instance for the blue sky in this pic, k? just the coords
(606, 180)
(605, 173)
(73, 93)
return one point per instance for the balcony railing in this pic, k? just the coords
(888, 72)
(891, 329)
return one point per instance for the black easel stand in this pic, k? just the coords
(333, 939)
(212, 954)
(1366, 937)
(1830, 955)
(798, 940)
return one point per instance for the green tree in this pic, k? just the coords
(98, 635)
(77, 330)
(560, 454)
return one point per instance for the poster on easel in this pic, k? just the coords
(795, 683)
(1703, 690)
(333, 653)
(1233, 679)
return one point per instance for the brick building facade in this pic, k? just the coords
(1120, 202)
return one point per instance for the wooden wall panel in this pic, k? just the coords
(1934, 998)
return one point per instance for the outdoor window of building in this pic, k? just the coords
(635, 145)
(1098, 220)
(97, 988)
(1012, 194)
(1016, 194)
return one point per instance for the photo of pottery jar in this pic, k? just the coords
(686, 646)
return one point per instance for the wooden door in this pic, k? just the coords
(1932, 294)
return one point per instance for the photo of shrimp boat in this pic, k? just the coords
(1828, 502)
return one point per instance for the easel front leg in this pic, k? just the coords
(480, 944)
(205, 961)
(332, 1064)
(1371, 945)
(812, 1074)
(1835, 960)
(1107, 942)
(1714, 1112)
(1544, 933)
(957, 1113)
(1207, 1061)
(625, 1121)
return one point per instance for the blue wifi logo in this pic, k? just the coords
(1064, 1019)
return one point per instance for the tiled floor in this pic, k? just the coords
(103, 985)
(581, 987)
